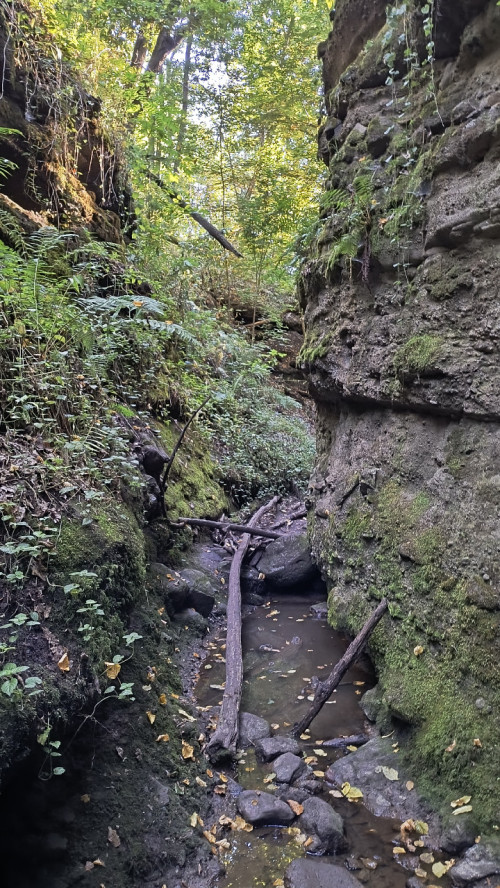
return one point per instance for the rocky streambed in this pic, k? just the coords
(140, 805)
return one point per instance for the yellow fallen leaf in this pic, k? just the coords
(187, 751)
(269, 778)
(390, 773)
(193, 820)
(439, 870)
(463, 810)
(463, 800)
(85, 798)
(220, 790)
(399, 850)
(420, 873)
(359, 683)
(113, 837)
(296, 807)
(98, 862)
(223, 778)
(409, 785)
(351, 792)
(63, 663)
(186, 715)
(278, 883)
(320, 752)
(352, 748)
(162, 699)
(427, 857)
(200, 782)
(335, 793)
(310, 759)
(272, 613)
(477, 742)
(418, 650)
(407, 827)
(422, 828)
(223, 843)
(300, 838)
(241, 825)
(209, 836)
(209, 773)
(451, 747)
(151, 717)
(319, 773)
(112, 669)
(275, 727)
(308, 842)
(163, 738)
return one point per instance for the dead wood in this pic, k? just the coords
(325, 689)
(168, 465)
(224, 740)
(180, 202)
(226, 526)
(294, 516)
(341, 742)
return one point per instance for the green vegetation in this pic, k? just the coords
(417, 355)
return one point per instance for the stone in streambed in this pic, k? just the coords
(324, 824)
(270, 747)
(202, 590)
(477, 863)
(287, 562)
(288, 767)
(307, 873)
(263, 809)
(252, 729)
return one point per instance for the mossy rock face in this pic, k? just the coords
(424, 537)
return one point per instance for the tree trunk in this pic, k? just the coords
(326, 688)
(185, 102)
(225, 737)
(139, 52)
(166, 42)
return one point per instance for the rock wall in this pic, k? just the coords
(402, 313)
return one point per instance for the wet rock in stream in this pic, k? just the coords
(306, 873)
(289, 767)
(263, 809)
(367, 769)
(251, 729)
(324, 824)
(270, 748)
(287, 563)
(477, 863)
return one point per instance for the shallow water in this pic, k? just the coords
(285, 644)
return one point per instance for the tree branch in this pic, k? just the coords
(211, 229)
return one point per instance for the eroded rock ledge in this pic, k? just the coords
(402, 341)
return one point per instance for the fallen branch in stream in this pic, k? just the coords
(226, 525)
(325, 689)
(341, 742)
(294, 516)
(224, 740)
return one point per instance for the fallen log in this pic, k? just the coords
(294, 516)
(325, 689)
(224, 740)
(226, 525)
(341, 742)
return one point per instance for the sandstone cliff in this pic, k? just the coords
(402, 340)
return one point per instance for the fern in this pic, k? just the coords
(11, 231)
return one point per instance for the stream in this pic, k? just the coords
(285, 643)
